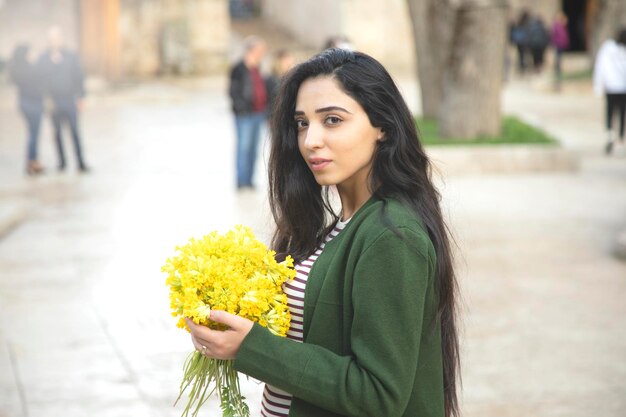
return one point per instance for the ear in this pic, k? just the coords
(381, 135)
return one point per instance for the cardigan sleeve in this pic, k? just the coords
(391, 279)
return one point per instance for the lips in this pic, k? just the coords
(318, 164)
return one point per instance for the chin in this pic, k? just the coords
(325, 182)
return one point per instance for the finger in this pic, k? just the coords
(193, 327)
(190, 323)
(198, 331)
(201, 346)
(198, 341)
(230, 320)
(197, 344)
(202, 334)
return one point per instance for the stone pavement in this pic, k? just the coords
(84, 322)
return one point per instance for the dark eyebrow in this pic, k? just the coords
(331, 108)
(323, 110)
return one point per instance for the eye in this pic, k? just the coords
(301, 124)
(333, 120)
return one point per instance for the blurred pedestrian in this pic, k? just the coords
(559, 38)
(283, 62)
(64, 84)
(379, 336)
(3, 66)
(248, 93)
(519, 37)
(609, 78)
(537, 41)
(25, 72)
(338, 41)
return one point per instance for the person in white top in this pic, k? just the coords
(609, 78)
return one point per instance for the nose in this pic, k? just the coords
(313, 137)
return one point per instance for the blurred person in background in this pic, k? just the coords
(537, 40)
(283, 62)
(559, 38)
(3, 65)
(609, 78)
(519, 37)
(249, 98)
(377, 335)
(64, 85)
(338, 41)
(25, 72)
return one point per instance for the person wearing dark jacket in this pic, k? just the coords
(248, 94)
(64, 85)
(538, 39)
(26, 75)
(519, 37)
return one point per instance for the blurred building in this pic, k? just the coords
(142, 38)
(129, 38)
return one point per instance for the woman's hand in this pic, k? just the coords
(220, 344)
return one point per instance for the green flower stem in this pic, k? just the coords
(200, 373)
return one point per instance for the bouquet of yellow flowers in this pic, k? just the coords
(236, 273)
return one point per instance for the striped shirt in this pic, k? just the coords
(275, 402)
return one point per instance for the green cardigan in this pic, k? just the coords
(371, 346)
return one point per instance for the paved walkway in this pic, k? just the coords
(84, 322)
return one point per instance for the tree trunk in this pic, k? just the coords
(432, 33)
(472, 79)
(609, 16)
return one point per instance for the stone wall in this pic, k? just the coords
(28, 21)
(544, 8)
(174, 36)
(210, 35)
(379, 28)
(311, 22)
(382, 29)
(151, 36)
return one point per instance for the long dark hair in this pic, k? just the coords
(301, 207)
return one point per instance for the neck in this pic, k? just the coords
(352, 199)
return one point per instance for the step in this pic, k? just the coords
(501, 159)
(13, 211)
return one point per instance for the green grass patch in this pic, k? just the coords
(582, 75)
(514, 131)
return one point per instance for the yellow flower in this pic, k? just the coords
(233, 272)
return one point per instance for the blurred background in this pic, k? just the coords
(535, 199)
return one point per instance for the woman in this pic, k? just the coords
(559, 38)
(609, 78)
(26, 75)
(377, 320)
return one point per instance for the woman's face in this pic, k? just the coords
(335, 136)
